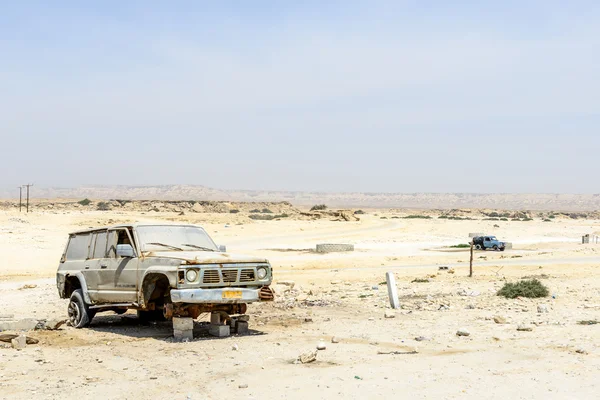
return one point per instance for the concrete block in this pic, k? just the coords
(392, 290)
(241, 328)
(474, 234)
(183, 335)
(27, 324)
(215, 318)
(330, 247)
(183, 324)
(19, 343)
(219, 330)
(243, 318)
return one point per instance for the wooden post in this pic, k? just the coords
(471, 262)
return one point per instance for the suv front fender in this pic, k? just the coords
(169, 272)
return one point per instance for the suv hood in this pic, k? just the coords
(206, 257)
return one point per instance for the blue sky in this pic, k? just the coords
(388, 96)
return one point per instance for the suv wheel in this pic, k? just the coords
(495, 248)
(79, 313)
(477, 247)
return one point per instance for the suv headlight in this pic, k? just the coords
(261, 273)
(191, 275)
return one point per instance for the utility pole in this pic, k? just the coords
(20, 197)
(27, 186)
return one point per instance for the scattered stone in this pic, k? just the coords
(308, 357)
(524, 328)
(53, 324)
(336, 282)
(19, 343)
(422, 339)
(289, 284)
(470, 307)
(335, 340)
(8, 337)
(463, 332)
(496, 338)
(542, 308)
(33, 286)
(389, 314)
(321, 345)
(235, 347)
(450, 271)
(243, 386)
(581, 351)
(499, 319)
(308, 319)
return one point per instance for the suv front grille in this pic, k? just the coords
(211, 276)
(247, 275)
(229, 275)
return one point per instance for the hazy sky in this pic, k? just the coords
(383, 96)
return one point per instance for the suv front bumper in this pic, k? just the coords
(219, 295)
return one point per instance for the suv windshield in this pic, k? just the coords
(174, 238)
(493, 238)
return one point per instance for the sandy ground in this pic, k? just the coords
(337, 295)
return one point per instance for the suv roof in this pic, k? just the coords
(136, 225)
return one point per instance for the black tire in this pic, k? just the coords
(120, 311)
(147, 316)
(79, 313)
(477, 247)
(495, 248)
(502, 248)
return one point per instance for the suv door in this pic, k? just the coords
(118, 275)
(92, 266)
(487, 243)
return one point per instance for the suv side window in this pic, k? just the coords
(116, 237)
(78, 246)
(100, 247)
(111, 251)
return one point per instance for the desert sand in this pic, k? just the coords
(319, 297)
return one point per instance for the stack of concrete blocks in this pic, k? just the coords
(183, 328)
(217, 328)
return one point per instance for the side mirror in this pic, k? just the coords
(125, 251)
(222, 248)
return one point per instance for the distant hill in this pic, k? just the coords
(558, 202)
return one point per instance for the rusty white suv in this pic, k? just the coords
(159, 270)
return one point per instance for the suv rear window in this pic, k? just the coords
(78, 247)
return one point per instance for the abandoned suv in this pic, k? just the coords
(160, 270)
